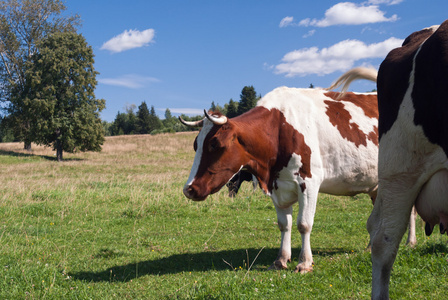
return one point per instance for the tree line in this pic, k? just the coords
(146, 121)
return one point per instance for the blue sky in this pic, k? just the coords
(183, 55)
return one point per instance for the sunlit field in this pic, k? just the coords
(115, 225)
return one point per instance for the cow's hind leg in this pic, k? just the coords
(387, 225)
(284, 219)
(305, 220)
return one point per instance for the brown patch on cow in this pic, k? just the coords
(341, 118)
(367, 102)
(290, 142)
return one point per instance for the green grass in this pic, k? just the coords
(115, 225)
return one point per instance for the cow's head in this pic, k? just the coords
(219, 156)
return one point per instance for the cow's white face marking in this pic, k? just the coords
(207, 126)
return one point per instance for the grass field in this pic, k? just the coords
(115, 225)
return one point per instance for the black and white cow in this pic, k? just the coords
(413, 149)
(235, 182)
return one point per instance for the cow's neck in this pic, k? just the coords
(259, 134)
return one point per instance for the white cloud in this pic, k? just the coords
(286, 21)
(347, 13)
(309, 33)
(129, 39)
(339, 57)
(131, 81)
(387, 2)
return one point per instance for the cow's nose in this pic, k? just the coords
(192, 193)
(188, 191)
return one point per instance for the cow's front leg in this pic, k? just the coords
(305, 220)
(284, 219)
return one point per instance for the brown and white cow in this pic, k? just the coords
(413, 164)
(297, 143)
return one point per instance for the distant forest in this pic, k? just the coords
(144, 120)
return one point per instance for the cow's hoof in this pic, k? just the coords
(278, 265)
(302, 269)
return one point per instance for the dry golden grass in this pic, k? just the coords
(129, 159)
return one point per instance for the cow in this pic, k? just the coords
(235, 182)
(297, 142)
(413, 149)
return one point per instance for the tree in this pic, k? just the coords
(232, 109)
(120, 124)
(23, 24)
(170, 123)
(154, 121)
(59, 93)
(248, 99)
(143, 119)
(131, 123)
(213, 106)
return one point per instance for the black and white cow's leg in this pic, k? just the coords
(387, 225)
(284, 219)
(305, 220)
(412, 239)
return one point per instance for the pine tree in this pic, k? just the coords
(232, 109)
(248, 99)
(154, 121)
(143, 119)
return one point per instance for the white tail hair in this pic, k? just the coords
(354, 74)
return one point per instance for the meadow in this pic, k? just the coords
(115, 225)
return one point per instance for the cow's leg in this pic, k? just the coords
(412, 239)
(387, 225)
(284, 219)
(305, 220)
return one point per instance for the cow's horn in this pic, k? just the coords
(192, 123)
(216, 120)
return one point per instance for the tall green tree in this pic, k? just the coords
(23, 24)
(143, 119)
(119, 125)
(59, 93)
(248, 99)
(154, 121)
(131, 125)
(232, 109)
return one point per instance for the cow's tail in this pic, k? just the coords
(354, 74)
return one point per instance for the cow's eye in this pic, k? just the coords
(213, 145)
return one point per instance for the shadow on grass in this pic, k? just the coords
(191, 262)
(21, 154)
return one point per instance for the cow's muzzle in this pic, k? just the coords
(192, 193)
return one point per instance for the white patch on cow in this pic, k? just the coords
(207, 126)
(287, 183)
